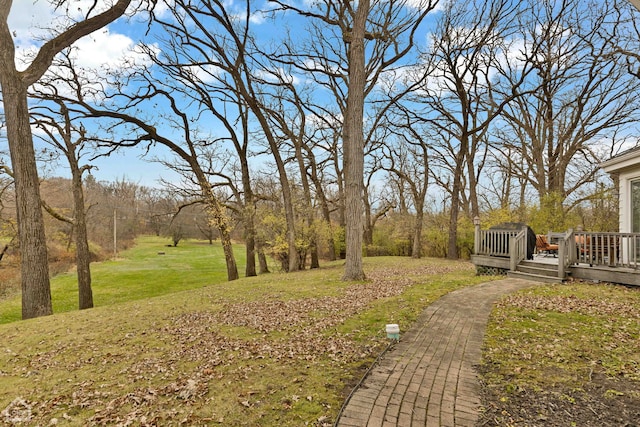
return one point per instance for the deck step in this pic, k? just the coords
(538, 269)
(534, 277)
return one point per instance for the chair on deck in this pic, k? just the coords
(599, 249)
(543, 246)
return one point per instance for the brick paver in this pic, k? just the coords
(428, 377)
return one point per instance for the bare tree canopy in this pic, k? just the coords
(36, 293)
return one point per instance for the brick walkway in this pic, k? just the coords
(428, 378)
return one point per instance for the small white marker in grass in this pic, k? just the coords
(393, 331)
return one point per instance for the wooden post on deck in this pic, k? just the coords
(513, 254)
(476, 238)
(561, 257)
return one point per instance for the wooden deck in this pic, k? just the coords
(600, 257)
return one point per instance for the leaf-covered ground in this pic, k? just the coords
(565, 355)
(282, 350)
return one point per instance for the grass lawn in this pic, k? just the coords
(170, 342)
(565, 334)
(568, 353)
(140, 272)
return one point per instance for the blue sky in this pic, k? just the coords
(28, 21)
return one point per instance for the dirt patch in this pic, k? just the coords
(602, 402)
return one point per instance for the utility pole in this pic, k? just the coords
(115, 235)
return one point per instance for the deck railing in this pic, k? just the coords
(518, 245)
(566, 254)
(579, 247)
(608, 249)
(494, 242)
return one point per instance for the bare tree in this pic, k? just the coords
(288, 117)
(154, 205)
(123, 112)
(376, 206)
(36, 291)
(8, 227)
(187, 150)
(54, 119)
(215, 38)
(408, 159)
(461, 97)
(323, 153)
(215, 99)
(353, 142)
(585, 97)
(350, 46)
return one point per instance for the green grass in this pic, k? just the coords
(139, 273)
(560, 336)
(279, 349)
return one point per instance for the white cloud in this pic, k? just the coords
(103, 48)
(206, 73)
(238, 12)
(325, 121)
(499, 53)
(27, 19)
(423, 4)
(321, 66)
(32, 21)
(276, 75)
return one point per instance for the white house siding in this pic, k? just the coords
(627, 167)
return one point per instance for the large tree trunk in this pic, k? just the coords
(309, 214)
(250, 242)
(416, 252)
(262, 258)
(353, 143)
(452, 252)
(232, 267)
(249, 224)
(220, 218)
(36, 292)
(83, 254)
